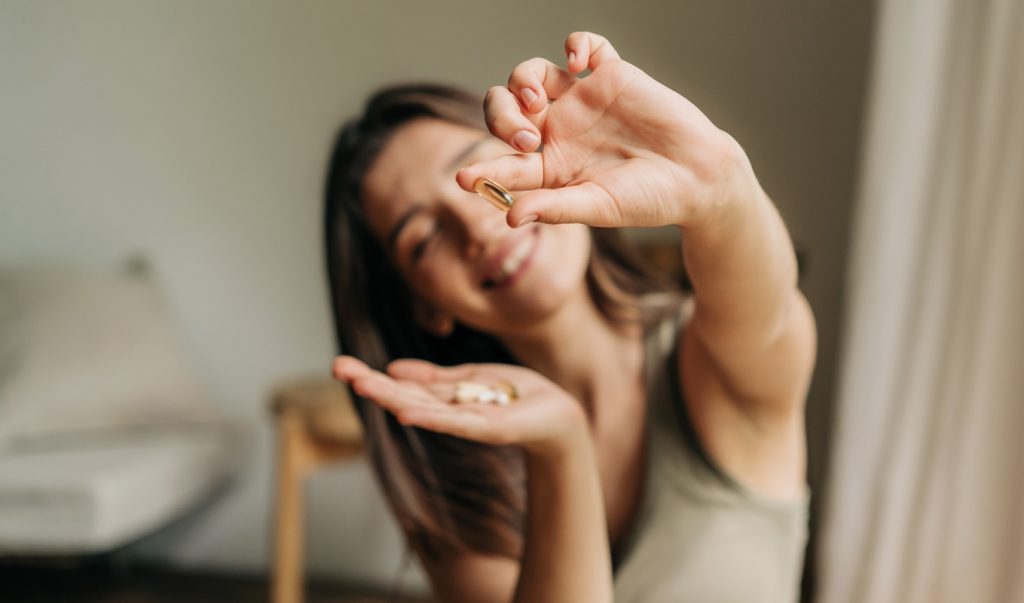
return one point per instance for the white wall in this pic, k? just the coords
(195, 133)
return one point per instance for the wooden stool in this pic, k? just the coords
(316, 424)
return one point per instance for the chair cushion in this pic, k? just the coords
(67, 495)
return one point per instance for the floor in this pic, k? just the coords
(106, 584)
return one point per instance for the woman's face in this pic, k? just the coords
(453, 247)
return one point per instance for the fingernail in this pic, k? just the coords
(525, 140)
(527, 220)
(572, 57)
(529, 96)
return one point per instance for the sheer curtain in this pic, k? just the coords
(926, 497)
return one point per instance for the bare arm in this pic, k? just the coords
(566, 555)
(747, 359)
(750, 316)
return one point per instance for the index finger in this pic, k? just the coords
(516, 172)
(422, 371)
(349, 368)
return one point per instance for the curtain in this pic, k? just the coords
(926, 496)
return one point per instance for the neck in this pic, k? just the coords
(562, 348)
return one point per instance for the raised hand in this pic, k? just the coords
(619, 148)
(543, 418)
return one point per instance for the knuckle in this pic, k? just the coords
(506, 123)
(537, 62)
(490, 118)
(493, 94)
(497, 118)
(525, 73)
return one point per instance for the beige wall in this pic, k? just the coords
(196, 133)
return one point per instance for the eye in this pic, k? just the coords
(420, 247)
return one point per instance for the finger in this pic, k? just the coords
(468, 425)
(505, 119)
(585, 203)
(393, 396)
(517, 172)
(348, 368)
(538, 80)
(442, 391)
(585, 49)
(431, 393)
(422, 371)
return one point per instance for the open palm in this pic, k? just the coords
(420, 393)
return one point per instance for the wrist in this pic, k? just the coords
(570, 440)
(726, 184)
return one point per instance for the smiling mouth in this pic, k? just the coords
(512, 264)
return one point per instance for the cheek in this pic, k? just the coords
(442, 280)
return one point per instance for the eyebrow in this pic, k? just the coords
(417, 208)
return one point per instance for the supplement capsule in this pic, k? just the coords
(510, 391)
(495, 193)
(467, 392)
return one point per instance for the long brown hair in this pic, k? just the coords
(447, 493)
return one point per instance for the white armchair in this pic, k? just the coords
(105, 433)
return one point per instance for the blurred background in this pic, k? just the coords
(188, 141)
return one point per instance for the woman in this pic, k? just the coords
(655, 448)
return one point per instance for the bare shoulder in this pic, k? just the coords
(471, 577)
(748, 411)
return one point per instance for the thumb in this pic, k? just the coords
(584, 203)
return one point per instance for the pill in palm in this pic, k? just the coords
(469, 392)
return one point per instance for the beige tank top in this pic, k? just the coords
(699, 535)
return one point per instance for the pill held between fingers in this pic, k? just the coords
(495, 193)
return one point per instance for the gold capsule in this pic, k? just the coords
(495, 193)
(508, 389)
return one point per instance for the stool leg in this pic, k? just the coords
(288, 537)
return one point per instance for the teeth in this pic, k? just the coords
(515, 258)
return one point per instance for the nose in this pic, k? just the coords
(482, 224)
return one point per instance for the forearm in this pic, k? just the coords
(740, 259)
(566, 556)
